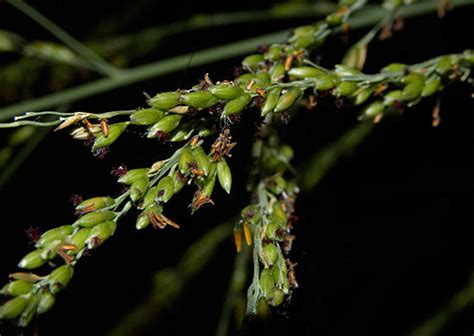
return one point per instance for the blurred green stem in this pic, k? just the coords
(100, 65)
(236, 286)
(460, 301)
(321, 162)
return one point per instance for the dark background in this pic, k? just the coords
(382, 243)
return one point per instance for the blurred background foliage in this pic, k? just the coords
(384, 244)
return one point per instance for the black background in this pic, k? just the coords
(382, 243)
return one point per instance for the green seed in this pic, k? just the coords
(95, 203)
(287, 99)
(165, 189)
(186, 160)
(100, 233)
(394, 67)
(79, 238)
(179, 181)
(345, 89)
(305, 72)
(146, 117)
(226, 91)
(212, 168)
(271, 100)
(115, 130)
(142, 220)
(208, 186)
(202, 159)
(60, 277)
(280, 276)
(166, 125)
(224, 175)
(236, 105)
(334, 19)
(149, 197)
(266, 282)
(326, 82)
(49, 251)
(251, 214)
(431, 86)
(206, 131)
(46, 301)
(270, 230)
(16, 288)
(29, 312)
(374, 109)
(356, 56)
(138, 189)
(199, 99)
(58, 233)
(390, 98)
(32, 260)
(243, 80)
(133, 175)
(13, 308)
(363, 94)
(263, 309)
(277, 296)
(277, 72)
(165, 100)
(279, 216)
(412, 77)
(413, 90)
(343, 70)
(304, 36)
(262, 80)
(93, 218)
(271, 254)
(252, 62)
(443, 65)
(274, 53)
(277, 184)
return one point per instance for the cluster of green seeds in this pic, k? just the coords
(277, 276)
(30, 294)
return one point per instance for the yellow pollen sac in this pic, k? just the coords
(247, 234)
(238, 239)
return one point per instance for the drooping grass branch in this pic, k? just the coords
(148, 71)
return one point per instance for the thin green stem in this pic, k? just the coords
(458, 302)
(31, 123)
(236, 285)
(322, 161)
(82, 50)
(9, 170)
